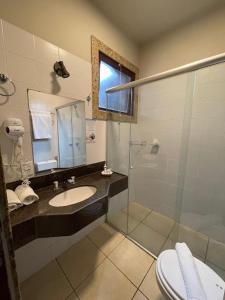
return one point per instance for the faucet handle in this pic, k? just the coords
(71, 180)
(56, 185)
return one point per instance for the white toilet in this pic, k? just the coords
(171, 282)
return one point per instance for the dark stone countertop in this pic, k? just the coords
(42, 220)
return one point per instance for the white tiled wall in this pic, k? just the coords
(35, 255)
(29, 60)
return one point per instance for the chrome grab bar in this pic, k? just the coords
(137, 143)
(155, 143)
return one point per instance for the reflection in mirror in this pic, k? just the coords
(58, 126)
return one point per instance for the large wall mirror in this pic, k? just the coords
(58, 131)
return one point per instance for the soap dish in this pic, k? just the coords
(106, 173)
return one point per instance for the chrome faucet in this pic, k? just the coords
(71, 180)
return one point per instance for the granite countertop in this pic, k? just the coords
(42, 208)
(39, 219)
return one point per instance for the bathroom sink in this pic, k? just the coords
(73, 196)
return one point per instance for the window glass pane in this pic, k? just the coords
(110, 77)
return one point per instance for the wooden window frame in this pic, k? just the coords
(98, 47)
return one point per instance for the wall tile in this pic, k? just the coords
(21, 69)
(1, 34)
(29, 62)
(2, 51)
(97, 151)
(78, 85)
(45, 52)
(59, 245)
(32, 257)
(16, 106)
(2, 62)
(47, 80)
(18, 41)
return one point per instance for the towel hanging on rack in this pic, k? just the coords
(42, 124)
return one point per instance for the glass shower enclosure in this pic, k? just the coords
(71, 134)
(174, 157)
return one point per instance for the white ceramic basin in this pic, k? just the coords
(73, 196)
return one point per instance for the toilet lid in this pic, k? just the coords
(170, 276)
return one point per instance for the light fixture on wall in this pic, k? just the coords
(61, 70)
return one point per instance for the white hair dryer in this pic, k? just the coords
(14, 130)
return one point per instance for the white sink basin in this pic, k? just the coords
(73, 196)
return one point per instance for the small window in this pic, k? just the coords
(112, 74)
(109, 69)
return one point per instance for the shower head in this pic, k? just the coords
(61, 70)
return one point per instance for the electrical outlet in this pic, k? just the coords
(27, 169)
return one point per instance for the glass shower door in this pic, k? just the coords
(118, 137)
(203, 205)
(156, 157)
(65, 137)
(71, 135)
(78, 133)
(174, 157)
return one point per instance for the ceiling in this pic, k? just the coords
(144, 20)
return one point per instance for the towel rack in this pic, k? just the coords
(4, 79)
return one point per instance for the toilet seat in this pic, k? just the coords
(170, 278)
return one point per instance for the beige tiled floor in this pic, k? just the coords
(48, 283)
(72, 296)
(139, 296)
(106, 238)
(157, 232)
(149, 286)
(159, 223)
(128, 252)
(148, 238)
(80, 260)
(102, 266)
(137, 211)
(119, 221)
(107, 266)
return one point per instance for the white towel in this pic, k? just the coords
(190, 273)
(42, 124)
(26, 194)
(13, 200)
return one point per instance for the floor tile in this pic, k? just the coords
(148, 238)
(105, 238)
(106, 283)
(169, 244)
(159, 223)
(139, 296)
(73, 296)
(216, 253)
(131, 260)
(196, 241)
(48, 283)
(137, 211)
(119, 221)
(80, 260)
(149, 286)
